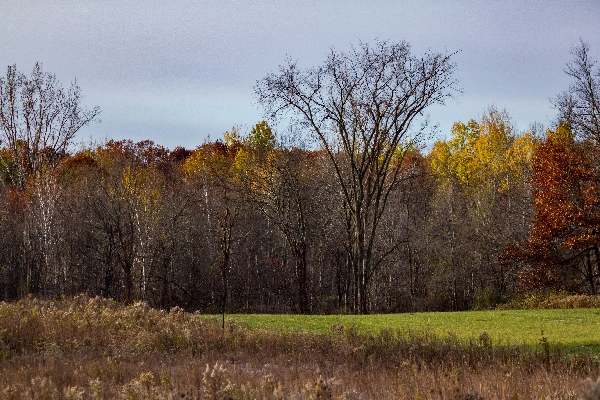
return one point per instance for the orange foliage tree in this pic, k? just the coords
(562, 251)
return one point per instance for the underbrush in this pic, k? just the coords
(552, 300)
(92, 348)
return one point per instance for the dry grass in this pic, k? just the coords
(91, 348)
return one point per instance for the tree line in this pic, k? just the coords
(344, 212)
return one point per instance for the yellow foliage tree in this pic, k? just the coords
(484, 191)
(484, 155)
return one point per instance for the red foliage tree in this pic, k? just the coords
(563, 249)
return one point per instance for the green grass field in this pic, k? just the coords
(578, 330)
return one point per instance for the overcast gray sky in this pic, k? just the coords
(177, 72)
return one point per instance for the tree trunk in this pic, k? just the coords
(301, 279)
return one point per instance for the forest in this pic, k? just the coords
(347, 211)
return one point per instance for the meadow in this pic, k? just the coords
(576, 330)
(93, 348)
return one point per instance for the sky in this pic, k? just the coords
(183, 72)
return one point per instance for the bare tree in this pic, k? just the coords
(360, 106)
(580, 103)
(38, 119)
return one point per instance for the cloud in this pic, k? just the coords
(191, 65)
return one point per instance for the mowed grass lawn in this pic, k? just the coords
(578, 330)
